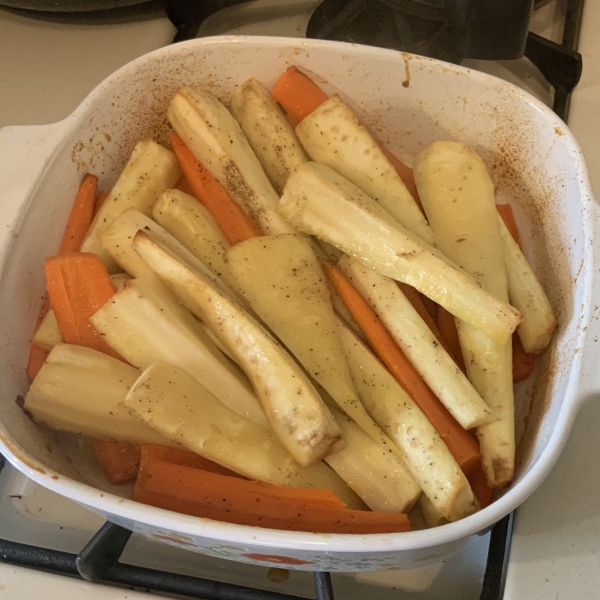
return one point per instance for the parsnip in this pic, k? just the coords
(419, 344)
(283, 282)
(192, 225)
(171, 401)
(295, 411)
(48, 334)
(118, 240)
(79, 390)
(150, 170)
(431, 516)
(528, 296)
(424, 452)
(320, 202)
(268, 131)
(334, 136)
(144, 322)
(458, 196)
(377, 475)
(216, 139)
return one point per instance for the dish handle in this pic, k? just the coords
(24, 153)
(589, 382)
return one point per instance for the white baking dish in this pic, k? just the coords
(407, 101)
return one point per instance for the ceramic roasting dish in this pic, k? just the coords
(407, 102)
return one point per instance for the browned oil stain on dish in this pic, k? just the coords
(407, 59)
(559, 131)
(278, 575)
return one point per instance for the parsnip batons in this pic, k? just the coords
(268, 131)
(192, 225)
(48, 334)
(170, 400)
(79, 390)
(377, 475)
(425, 454)
(419, 344)
(144, 323)
(217, 141)
(320, 202)
(151, 169)
(527, 296)
(296, 413)
(118, 240)
(334, 136)
(283, 282)
(458, 196)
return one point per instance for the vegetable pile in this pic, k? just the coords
(277, 323)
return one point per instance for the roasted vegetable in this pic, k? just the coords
(458, 196)
(217, 141)
(334, 136)
(150, 170)
(295, 410)
(79, 390)
(320, 202)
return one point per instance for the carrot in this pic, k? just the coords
(447, 326)
(102, 196)
(183, 186)
(462, 446)
(415, 299)
(81, 215)
(210, 495)
(151, 453)
(523, 363)
(235, 224)
(508, 217)
(119, 460)
(78, 224)
(483, 492)
(297, 94)
(406, 174)
(78, 285)
(37, 357)
(430, 305)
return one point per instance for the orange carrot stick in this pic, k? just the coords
(483, 492)
(37, 357)
(151, 453)
(297, 94)
(523, 363)
(78, 224)
(447, 326)
(462, 446)
(406, 174)
(81, 215)
(235, 224)
(234, 500)
(217, 485)
(102, 196)
(119, 460)
(415, 299)
(508, 217)
(78, 285)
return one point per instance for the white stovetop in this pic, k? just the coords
(45, 71)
